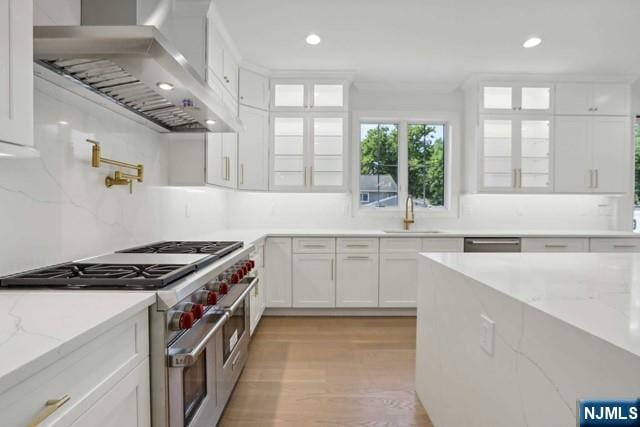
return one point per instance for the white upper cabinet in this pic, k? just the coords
(308, 151)
(222, 157)
(253, 149)
(222, 64)
(254, 90)
(16, 78)
(309, 95)
(509, 97)
(515, 154)
(606, 99)
(592, 154)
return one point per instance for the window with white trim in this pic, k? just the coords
(401, 158)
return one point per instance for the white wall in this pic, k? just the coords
(56, 208)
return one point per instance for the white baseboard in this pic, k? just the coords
(381, 312)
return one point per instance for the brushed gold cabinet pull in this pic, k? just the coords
(50, 407)
(311, 176)
(305, 177)
(332, 270)
(514, 184)
(596, 173)
(241, 173)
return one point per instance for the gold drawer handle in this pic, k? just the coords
(50, 407)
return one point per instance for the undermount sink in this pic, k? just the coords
(413, 231)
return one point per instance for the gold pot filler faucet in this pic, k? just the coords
(408, 213)
(119, 177)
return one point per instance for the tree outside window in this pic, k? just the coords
(426, 145)
(378, 164)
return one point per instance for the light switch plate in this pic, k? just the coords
(487, 332)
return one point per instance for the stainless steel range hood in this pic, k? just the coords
(128, 65)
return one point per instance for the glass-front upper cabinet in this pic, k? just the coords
(308, 152)
(515, 154)
(309, 95)
(522, 97)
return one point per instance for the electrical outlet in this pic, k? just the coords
(187, 210)
(487, 332)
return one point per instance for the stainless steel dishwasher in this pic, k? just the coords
(492, 244)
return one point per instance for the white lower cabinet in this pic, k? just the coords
(398, 279)
(536, 244)
(106, 380)
(615, 245)
(278, 269)
(257, 296)
(314, 280)
(357, 280)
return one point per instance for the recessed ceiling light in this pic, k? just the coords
(63, 123)
(313, 39)
(532, 42)
(210, 122)
(164, 85)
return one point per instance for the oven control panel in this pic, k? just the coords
(212, 296)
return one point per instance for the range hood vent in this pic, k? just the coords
(127, 65)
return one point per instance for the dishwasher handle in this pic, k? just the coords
(493, 242)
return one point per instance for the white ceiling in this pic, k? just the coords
(437, 42)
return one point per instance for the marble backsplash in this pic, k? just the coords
(56, 207)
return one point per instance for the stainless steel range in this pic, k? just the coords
(199, 326)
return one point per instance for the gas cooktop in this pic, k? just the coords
(101, 276)
(151, 266)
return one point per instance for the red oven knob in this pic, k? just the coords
(235, 278)
(223, 288)
(253, 263)
(211, 298)
(249, 265)
(181, 320)
(197, 310)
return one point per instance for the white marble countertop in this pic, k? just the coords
(39, 327)
(595, 292)
(255, 235)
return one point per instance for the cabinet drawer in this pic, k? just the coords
(361, 245)
(84, 375)
(400, 244)
(615, 245)
(314, 245)
(442, 244)
(555, 245)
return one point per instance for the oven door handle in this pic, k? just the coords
(239, 301)
(184, 358)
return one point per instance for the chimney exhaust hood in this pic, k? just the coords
(138, 70)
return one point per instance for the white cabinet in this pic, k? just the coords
(253, 149)
(442, 244)
(615, 245)
(308, 245)
(222, 63)
(254, 90)
(607, 99)
(515, 154)
(505, 97)
(127, 404)
(308, 151)
(16, 78)
(257, 298)
(316, 95)
(357, 245)
(222, 152)
(591, 154)
(106, 379)
(357, 280)
(398, 279)
(539, 244)
(278, 269)
(314, 280)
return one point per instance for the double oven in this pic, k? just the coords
(206, 360)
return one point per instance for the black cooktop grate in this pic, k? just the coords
(216, 249)
(105, 276)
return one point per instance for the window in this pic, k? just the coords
(406, 157)
(426, 147)
(379, 164)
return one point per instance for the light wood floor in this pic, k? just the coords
(327, 371)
